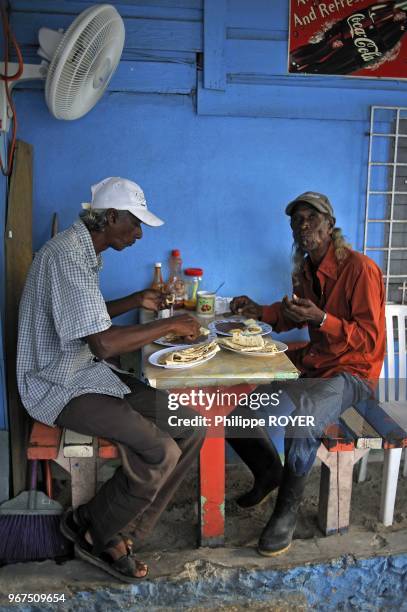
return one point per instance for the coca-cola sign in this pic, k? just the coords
(348, 37)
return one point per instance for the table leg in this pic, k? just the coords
(212, 492)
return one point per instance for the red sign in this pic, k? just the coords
(348, 37)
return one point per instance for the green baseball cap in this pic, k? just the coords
(319, 201)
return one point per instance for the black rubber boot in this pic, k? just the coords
(278, 533)
(263, 460)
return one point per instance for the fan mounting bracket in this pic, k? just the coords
(30, 72)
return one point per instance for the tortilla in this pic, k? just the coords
(248, 326)
(193, 354)
(249, 344)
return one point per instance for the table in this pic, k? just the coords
(236, 373)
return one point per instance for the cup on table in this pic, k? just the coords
(205, 304)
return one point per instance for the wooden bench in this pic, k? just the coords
(81, 456)
(345, 444)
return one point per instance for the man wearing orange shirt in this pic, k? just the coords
(338, 293)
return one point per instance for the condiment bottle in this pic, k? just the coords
(158, 282)
(175, 285)
(193, 277)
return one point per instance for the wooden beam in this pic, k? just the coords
(44, 442)
(214, 44)
(394, 436)
(18, 247)
(366, 436)
(177, 35)
(77, 445)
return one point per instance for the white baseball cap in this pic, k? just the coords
(122, 194)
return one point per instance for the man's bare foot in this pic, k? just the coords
(120, 550)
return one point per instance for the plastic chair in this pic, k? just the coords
(392, 395)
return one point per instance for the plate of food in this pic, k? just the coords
(185, 356)
(250, 327)
(253, 346)
(175, 340)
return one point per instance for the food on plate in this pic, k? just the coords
(247, 326)
(192, 354)
(249, 344)
(176, 339)
(253, 329)
(228, 326)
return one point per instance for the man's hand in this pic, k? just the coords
(302, 310)
(246, 306)
(151, 299)
(185, 325)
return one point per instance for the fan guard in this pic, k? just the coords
(84, 62)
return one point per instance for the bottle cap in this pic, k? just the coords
(158, 264)
(175, 252)
(193, 271)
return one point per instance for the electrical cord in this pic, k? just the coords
(9, 36)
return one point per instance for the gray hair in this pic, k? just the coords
(95, 219)
(341, 247)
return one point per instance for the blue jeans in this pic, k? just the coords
(322, 399)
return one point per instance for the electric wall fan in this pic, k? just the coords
(77, 64)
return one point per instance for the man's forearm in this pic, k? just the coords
(122, 305)
(120, 339)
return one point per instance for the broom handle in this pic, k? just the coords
(48, 478)
(33, 483)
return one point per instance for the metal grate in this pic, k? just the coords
(385, 235)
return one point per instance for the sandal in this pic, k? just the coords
(122, 568)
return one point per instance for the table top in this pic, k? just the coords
(225, 369)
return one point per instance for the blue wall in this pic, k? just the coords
(219, 152)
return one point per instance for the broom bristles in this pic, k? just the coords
(31, 538)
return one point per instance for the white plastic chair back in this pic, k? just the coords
(392, 383)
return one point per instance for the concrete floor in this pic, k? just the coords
(185, 577)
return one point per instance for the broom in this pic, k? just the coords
(29, 525)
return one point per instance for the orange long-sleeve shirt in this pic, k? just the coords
(352, 339)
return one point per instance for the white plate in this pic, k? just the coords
(265, 327)
(153, 359)
(211, 336)
(280, 346)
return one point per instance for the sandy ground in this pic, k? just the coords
(177, 527)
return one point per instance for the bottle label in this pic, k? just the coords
(205, 303)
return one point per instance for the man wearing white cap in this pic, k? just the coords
(65, 336)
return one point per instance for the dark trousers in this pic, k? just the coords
(323, 399)
(155, 457)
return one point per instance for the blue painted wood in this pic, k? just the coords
(140, 33)
(145, 77)
(256, 34)
(160, 77)
(214, 44)
(286, 101)
(132, 55)
(141, 9)
(256, 57)
(53, 5)
(258, 14)
(375, 414)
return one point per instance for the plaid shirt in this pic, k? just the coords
(61, 305)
